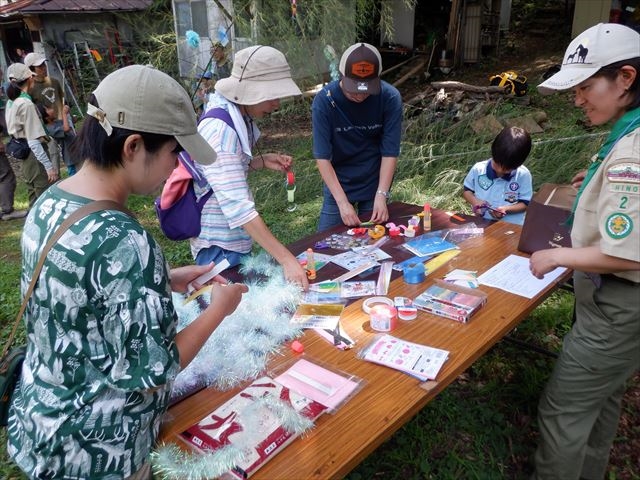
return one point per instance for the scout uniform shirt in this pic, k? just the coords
(608, 212)
(23, 120)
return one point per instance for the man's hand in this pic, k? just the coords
(380, 210)
(348, 215)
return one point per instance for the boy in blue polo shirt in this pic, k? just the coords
(500, 188)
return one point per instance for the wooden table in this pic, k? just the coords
(389, 398)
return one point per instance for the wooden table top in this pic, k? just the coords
(389, 399)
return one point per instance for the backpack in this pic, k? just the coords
(178, 209)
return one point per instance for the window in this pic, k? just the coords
(191, 15)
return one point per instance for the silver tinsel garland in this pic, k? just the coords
(236, 352)
(239, 348)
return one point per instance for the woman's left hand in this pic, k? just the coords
(543, 261)
(181, 277)
(277, 161)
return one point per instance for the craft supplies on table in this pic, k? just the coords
(451, 301)
(309, 315)
(383, 318)
(426, 217)
(435, 263)
(257, 423)
(371, 302)
(419, 361)
(319, 382)
(405, 308)
(414, 272)
(428, 244)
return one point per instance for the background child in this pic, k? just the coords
(62, 132)
(501, 187)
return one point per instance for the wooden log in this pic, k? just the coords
(410, 73)
(451, 85)
(384, 72)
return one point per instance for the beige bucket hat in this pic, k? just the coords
(260, 73)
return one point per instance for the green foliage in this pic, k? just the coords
(317, 24)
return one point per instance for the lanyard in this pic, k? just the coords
(627, 123)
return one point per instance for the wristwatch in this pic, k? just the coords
(386, 195)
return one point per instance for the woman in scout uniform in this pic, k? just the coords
(580, 407)
(23, 121)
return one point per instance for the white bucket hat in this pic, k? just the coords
(144, 99)
(596, 47)
(259, 74)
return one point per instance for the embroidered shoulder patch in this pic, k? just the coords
(484, 182)
(618, 225)
(624, 172)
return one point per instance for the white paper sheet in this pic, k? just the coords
(513, 275)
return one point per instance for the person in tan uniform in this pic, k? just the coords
(579, 409)
(23, 121)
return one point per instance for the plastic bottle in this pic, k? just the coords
(426, 220)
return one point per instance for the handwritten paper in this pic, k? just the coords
(513, 275)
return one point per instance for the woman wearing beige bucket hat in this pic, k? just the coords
(230, 222)
(579, 409)
(102, 346)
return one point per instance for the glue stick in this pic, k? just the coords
(311, 265)
(426, 221)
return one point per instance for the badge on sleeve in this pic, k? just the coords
(624, 173)
(618, 225)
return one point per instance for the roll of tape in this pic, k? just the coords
(405, 308)
(414, 273)
(371, 301)
(383, 318)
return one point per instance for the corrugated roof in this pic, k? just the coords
(73, 6)
(14, 6)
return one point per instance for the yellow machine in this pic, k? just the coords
(515, 84)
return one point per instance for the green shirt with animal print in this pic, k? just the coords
(101, 356)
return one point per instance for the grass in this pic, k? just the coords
(483, 426)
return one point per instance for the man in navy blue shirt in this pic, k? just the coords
(356, 140)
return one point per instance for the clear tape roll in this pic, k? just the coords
(371, 301)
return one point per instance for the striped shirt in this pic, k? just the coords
(232, 204)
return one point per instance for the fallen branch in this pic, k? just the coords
(397, 66)
(450, 85)
(410, 73)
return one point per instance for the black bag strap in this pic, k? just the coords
(79, 214)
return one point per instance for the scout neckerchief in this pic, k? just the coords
(627, 123)
(22, 95)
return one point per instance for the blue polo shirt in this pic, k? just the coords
(485, 184)
(355, 136)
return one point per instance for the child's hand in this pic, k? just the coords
(480, 209)
(498, 212)
(66, 109)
